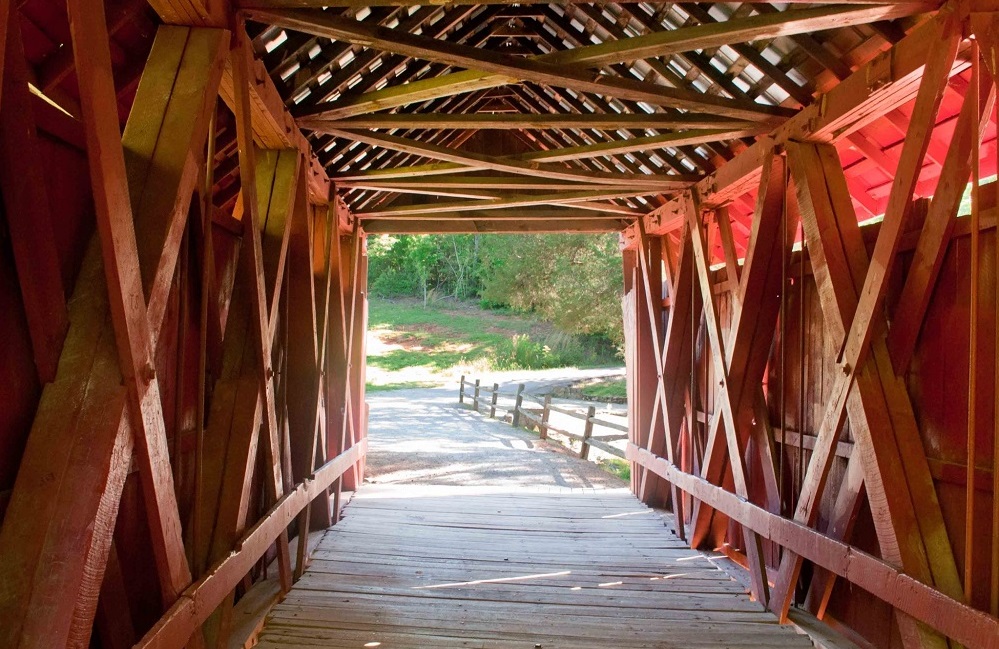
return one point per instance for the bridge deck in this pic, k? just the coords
(511, 567)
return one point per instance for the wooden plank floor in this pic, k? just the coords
(440, 566)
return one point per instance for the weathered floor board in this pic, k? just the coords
(505, 567)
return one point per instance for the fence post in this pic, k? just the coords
(584, 450)
(516, 409)
(461, 392)
(476, 395)
(492, 405)
(543, 428)
(492, 402)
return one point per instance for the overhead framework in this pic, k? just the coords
(810, 288)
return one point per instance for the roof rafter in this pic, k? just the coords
(508, 69)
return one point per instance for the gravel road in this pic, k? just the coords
(423, 436)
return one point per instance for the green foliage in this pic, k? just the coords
(571, 280)
(429, 267)
(557, 349)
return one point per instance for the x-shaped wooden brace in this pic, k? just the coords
(914, 300)
(851, 290)
(739, 361)
(134, 272)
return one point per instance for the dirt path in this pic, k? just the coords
(422, 436)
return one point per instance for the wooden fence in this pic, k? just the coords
(538, 415)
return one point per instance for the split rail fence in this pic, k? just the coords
(539, 415)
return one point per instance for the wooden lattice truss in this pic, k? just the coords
(653, 120)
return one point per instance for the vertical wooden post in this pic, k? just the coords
(492, 403)
(461, 390)
(543, 429)
(516, 408)
(584, 450)
(476, 398)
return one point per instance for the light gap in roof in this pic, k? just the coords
(779, 94)
(276, 42)
(740, 84)
(717, 12)
(648, 108)
(314, 51)
(631, 158)
(346, 58)
(753, 73)
(363, 13)
(324, 77)
(772, 55)
(290, 70)
(796, 77)
(687, 164)
(302, 95)
(644, 169)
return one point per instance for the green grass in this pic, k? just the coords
(413, 342)
(400, 385)
(604, 389)
(616, 466)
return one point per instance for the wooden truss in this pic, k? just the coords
(799, 176)
(276, 317)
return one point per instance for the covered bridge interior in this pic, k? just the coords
(806, 198)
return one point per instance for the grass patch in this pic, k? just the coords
(401, 385)
(616, 466)
(411, 343)
(613, 388)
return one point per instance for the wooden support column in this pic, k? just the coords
(134, 331)
(27, 210)
(629, 308)
(359, 325)
(259, 317)
(652, 489)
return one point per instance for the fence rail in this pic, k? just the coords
(482, 397)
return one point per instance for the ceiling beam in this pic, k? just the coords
(320, 23)
(462, 183)
(614, 147)
(584, 200)
(495, 226)
(737, 30)
(633, 145)
(655, 44)
(509, 164)
(501, 121)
